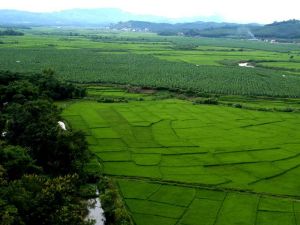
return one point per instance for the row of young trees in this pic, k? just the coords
(41, 165)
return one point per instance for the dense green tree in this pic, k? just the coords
(19, 92)
(20, 88)
(37, 200)
(35, 126)
(16, 161)
(32, 124)
(7, 77)
(53, 88)
(2, 123)
(70, 152)
(37, 156)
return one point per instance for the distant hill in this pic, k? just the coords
(165, 27)
(71, 17)
(279, 30)
(116, 19)
(205, 29)
(83, 17)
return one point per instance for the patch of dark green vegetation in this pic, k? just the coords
(278, 30)
(11, 32)
(233, 43)
(41, 164)
(112, 203)
(46, 171)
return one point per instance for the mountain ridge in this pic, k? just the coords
(87, 17)
(278, 30)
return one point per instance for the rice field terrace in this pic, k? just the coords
(179, 163)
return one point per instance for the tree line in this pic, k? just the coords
(11, 32)
(41, 164)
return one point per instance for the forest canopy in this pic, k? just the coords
(40, 163)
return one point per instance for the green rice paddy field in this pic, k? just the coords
(179, 163)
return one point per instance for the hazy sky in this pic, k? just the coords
(263, 11)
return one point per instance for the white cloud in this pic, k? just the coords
(263, 11)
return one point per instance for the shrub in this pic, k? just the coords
(208, 101)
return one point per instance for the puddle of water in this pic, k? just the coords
(248, 65)
(96, 212)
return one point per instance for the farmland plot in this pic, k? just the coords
(154, 203)
(96, 66)
(178, 163)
